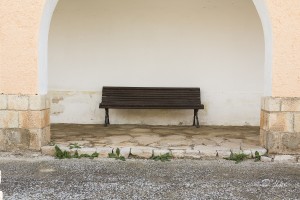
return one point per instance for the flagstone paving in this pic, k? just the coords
(143, 140)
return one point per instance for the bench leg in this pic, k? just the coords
(196, 120)
(106, 117)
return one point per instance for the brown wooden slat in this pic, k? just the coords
(150, 97)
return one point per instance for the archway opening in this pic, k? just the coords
(217, 46)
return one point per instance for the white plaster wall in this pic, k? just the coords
(212, 44)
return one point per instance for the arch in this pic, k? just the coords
(48, 10)
(267, 28)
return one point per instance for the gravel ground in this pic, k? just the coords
(43, 177)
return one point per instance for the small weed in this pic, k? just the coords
(257, 157)
(237, 157)
(93, 155)
(116, 155)
(66, 154)
(61, 154)
(163, 157)
(74, 146)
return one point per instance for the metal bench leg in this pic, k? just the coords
(106, 117)
(196, 120)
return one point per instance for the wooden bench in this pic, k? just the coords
(151, 98)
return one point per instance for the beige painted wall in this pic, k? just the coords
(215, 45)
(19, 32)
(285, 18)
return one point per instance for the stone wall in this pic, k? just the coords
(24, 122)
(280, 125)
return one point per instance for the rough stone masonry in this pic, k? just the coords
(24, 122)
(280, 125)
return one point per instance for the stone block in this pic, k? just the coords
(266, 159)
(272, 104)
(31, 119)
(142, 152)
(251, 151)
(18, 102)
(192, 153)
(239, 151)
(178, 153)
(291, 141)
(262, 137)
(297, 122)
(206, 151)
(46, 136)
(39, 137)
(104, 151)
(37, 102)
(86, 150)
(48, 150)
(285, 159)
(124, 151)
(158, 152)
(9, 119)
(290, 104)
(45, 118)
(274, 142)
(223, 153)
(3, 102)
(14, 139)
(35, 139)
(281, 122)
(282, 143)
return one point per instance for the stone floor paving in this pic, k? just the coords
(143, 140)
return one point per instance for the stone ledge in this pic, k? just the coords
(148, 152)
(266, 159)
(124, 151)
(142, 152)
(158, 152)
(285, 159)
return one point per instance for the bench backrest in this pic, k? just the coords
(151, 97)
